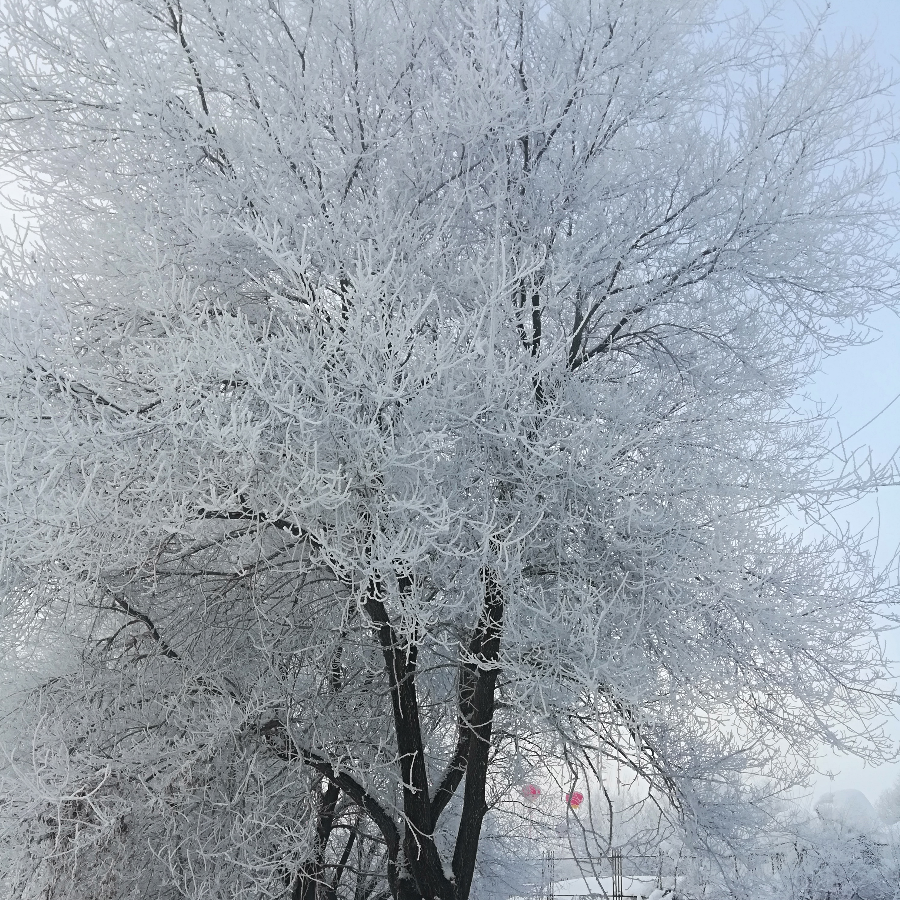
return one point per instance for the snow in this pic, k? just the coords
(850, 808)
(645, 887)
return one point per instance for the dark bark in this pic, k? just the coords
(486, 646)
(478, 682)
(290, 752)
(330, 892)
(311, 875)
(421, 855)
(468, 681)
(126, 607)
(415, 868)
(454, 773)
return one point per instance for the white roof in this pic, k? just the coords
(848, 807)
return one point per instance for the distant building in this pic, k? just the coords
(849, 808)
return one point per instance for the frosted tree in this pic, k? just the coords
(888, 804)
(820, 858)
(397, 396)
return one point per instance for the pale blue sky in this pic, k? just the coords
(862, 381)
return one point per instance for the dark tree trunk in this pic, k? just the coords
(423, 876)
(312, 874)
(486, 650)
(415, 870)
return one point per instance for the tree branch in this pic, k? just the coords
(486, 646)
(312, 873)
(420, 850)
(349, 785)
(126, 607)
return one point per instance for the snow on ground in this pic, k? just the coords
(643, 887)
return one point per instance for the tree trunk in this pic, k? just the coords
(312, 874)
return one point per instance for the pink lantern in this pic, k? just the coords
(531, 791)
(575, 799)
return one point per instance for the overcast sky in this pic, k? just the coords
(860, 382)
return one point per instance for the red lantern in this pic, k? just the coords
(575, 799)
(531, 791)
